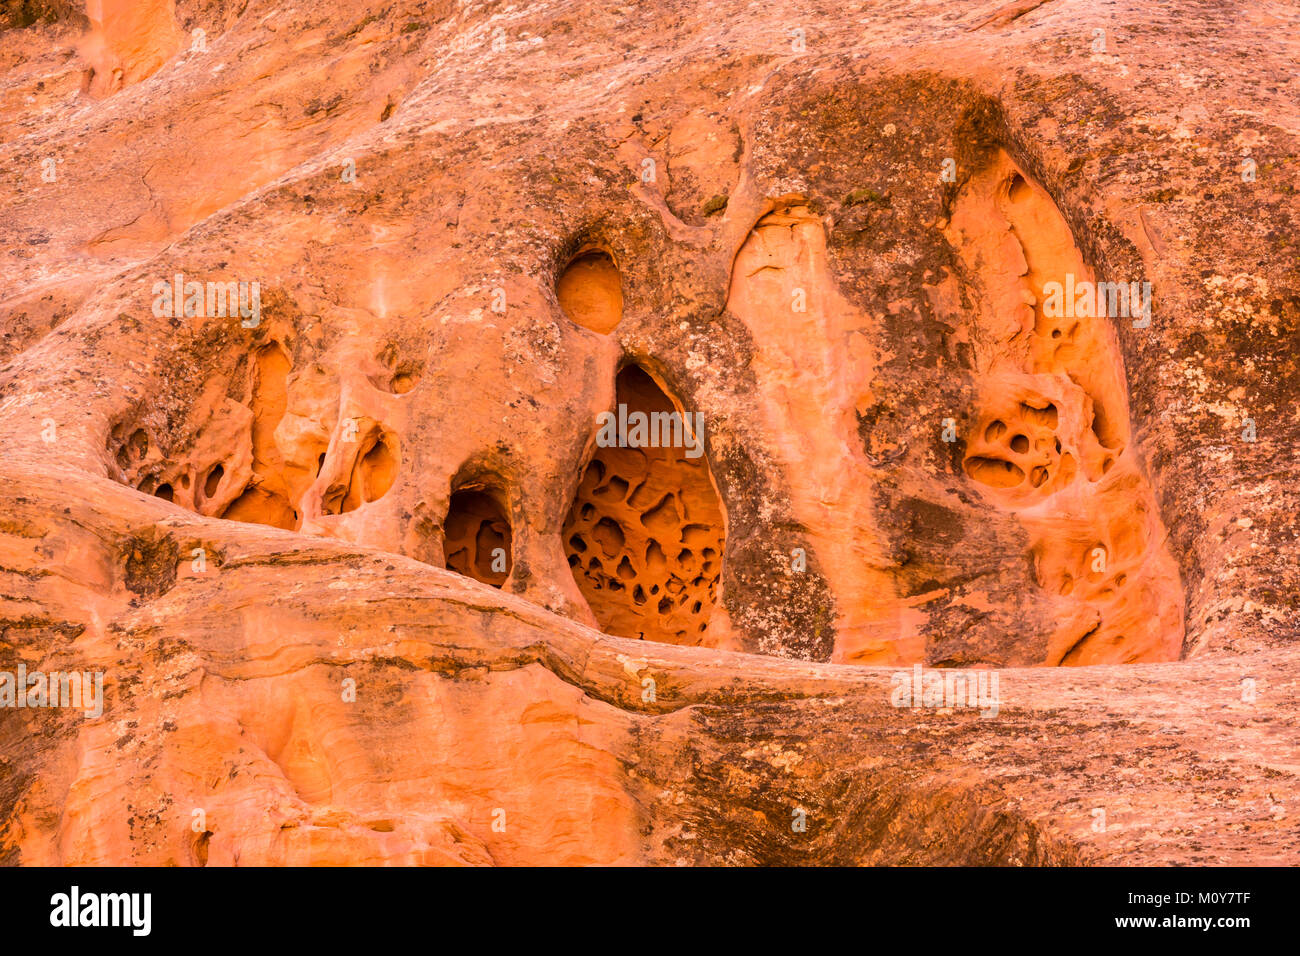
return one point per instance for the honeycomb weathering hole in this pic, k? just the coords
(1051, 442)
(590, 291)
(476, 537)
(645, 534)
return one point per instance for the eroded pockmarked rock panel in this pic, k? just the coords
(645, 535)
(1051, 442)
(267, 443)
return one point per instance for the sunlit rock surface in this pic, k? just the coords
(309, 317)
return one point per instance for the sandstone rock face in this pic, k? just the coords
(978, 326)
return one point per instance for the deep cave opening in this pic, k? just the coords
(477, 536)
(645, 533)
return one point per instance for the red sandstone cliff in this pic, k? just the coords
(308, 318)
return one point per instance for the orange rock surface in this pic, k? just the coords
(975, 329)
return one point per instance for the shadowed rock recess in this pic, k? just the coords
(963, 339)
